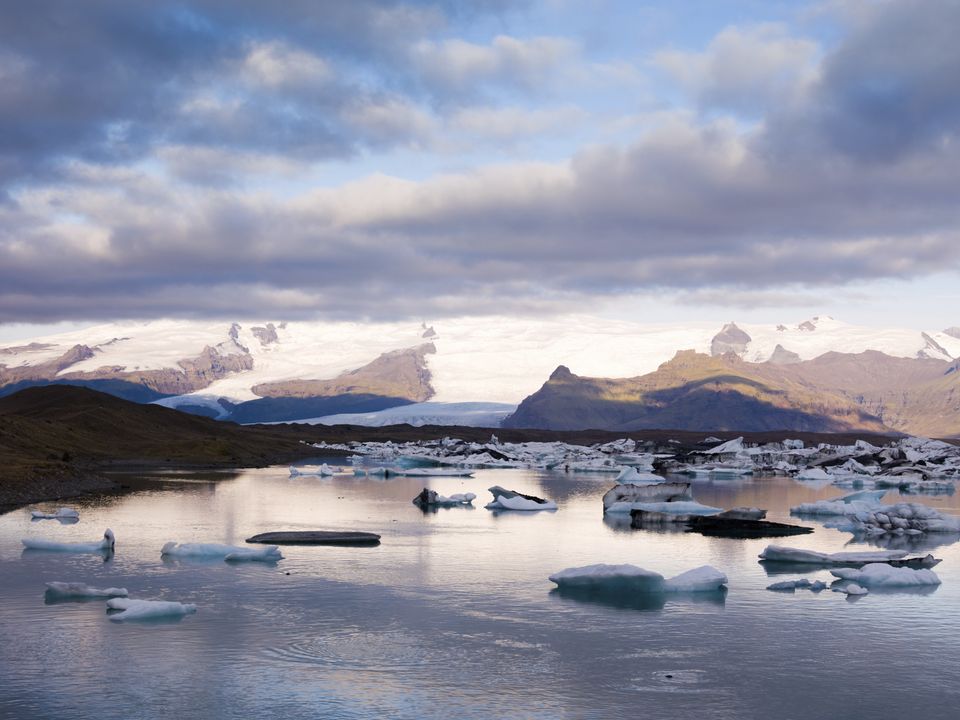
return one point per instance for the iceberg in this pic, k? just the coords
(880, 575)
(632, 493)
(843, 505)
(633, 476)
(899, 519)
(633, 579)
(431, 498)
(323, 470)
(504, 499)
(677, 508)
(65, 590)
(103, 546)
(520, 503)
(851, 589)
(436, 472)
(779, 553)
(814, 473)
(147, 609)
(211, 551)
(60, 514)
(802, 583)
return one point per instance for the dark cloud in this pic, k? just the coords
(107, 81)
(828, 189)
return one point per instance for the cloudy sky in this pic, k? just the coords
(393, 159)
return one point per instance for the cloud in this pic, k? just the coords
(460, 68)
(820, 192)
(745, 70)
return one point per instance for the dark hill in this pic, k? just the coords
(60, 436)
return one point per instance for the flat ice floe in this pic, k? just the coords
(679, 507)
(103, 546)
(779, 553)
(880, 575)
(147, 609)
(800, 584)
(633, 579)
(504, 499)
(212, 551)
(65, 590)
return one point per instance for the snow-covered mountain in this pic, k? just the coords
(483, 359)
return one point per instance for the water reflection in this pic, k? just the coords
(622, 600)
(453, 615)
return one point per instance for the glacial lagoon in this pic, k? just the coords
(452, 616)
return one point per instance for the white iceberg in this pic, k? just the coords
(58, 590)
(210, 551)
(60, 514)
(702, 579)
(814, 473)
(680, 507)
(779, 553)
(105, 545)
(323, 470)
(633, 579)
(802, 583)
(880, 575)
(147, 609)
(520, 503)
(843, 505)
(899, 519)
(436, 472)
(431, 498)
(851, 589)
(633, 476)
(734, 446)
(633, 493)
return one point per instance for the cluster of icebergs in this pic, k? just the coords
(910, 464)
(862, 513)
(609, 457)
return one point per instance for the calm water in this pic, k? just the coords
(453, 615)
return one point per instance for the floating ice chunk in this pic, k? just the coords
(630, 578)
(899, 519)
(504, 499)
(851, 589)
(731, 446)
(802, 583)
(104, 546)
(680, 507)
(323, 470)
(521, 503)
(632, 476)
(60, 514)
(58, 590)
(431, 498)
(702, 579)
(880, 575)
(210, 551)
(147, 609)
(436, 472)
(814, 473)
(632, 493)
(843, 505)
(780, 553)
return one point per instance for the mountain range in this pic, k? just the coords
(819, 374)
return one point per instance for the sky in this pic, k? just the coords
(396, 159)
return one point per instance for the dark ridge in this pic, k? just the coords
(286, 409)
(134, 392)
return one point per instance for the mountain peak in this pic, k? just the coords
(561, 374)
(730, 339)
